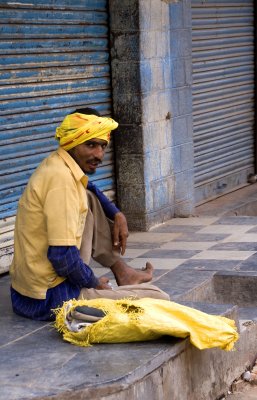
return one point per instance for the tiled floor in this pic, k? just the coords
(196, 243)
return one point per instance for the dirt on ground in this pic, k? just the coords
(245, 387)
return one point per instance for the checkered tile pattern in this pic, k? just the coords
(197, 243)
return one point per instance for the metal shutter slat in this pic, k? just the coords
(54, 58)
(223, 95)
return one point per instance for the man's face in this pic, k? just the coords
(89, 155)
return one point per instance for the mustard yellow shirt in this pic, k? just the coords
(51, 212)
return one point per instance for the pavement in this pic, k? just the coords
(186, 252)
(248, 393)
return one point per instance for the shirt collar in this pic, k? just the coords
(73, 166)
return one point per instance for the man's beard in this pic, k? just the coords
(90, 172)
(98, 161)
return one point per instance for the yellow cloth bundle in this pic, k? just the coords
(78, 128)
(130, 320)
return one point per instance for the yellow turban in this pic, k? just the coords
(78, 128)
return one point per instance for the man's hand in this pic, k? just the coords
(120, 232)
(103, 283)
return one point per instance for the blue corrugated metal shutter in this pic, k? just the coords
(54, 58)
(223, 95)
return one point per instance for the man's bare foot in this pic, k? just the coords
(125, 275)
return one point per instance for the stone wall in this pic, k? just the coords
(181, 97)
(151, 78)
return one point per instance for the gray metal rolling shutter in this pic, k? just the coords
(223, 95)
(54, 59)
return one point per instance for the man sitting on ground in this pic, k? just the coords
(63, 220)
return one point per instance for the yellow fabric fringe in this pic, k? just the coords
(147, 319)
(78, 128)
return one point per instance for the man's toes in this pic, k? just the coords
(149, 267)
